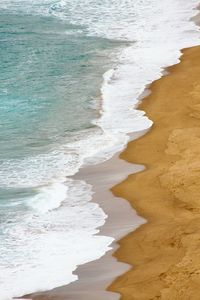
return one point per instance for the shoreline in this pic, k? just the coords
(91, 283)
(110, 259)
(164, 252)
(113, 281)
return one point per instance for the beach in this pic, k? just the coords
(73, 76)
(164, 252)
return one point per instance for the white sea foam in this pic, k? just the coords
(57, 230)
(53, 241)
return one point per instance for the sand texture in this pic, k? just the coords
(165, 252)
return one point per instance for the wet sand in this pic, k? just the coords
(94, 277)
(165, 252)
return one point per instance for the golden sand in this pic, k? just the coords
(165, 252)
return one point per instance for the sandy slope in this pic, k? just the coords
(165, 252)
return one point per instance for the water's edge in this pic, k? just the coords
(95, 276)
(90, 281)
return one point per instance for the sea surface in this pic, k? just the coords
(71, 75)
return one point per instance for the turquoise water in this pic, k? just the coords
(50, 74)
(50, 78)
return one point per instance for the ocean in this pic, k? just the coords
(71, 75)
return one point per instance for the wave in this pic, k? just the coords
(45, 238)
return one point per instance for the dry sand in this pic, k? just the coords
(165, 252)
